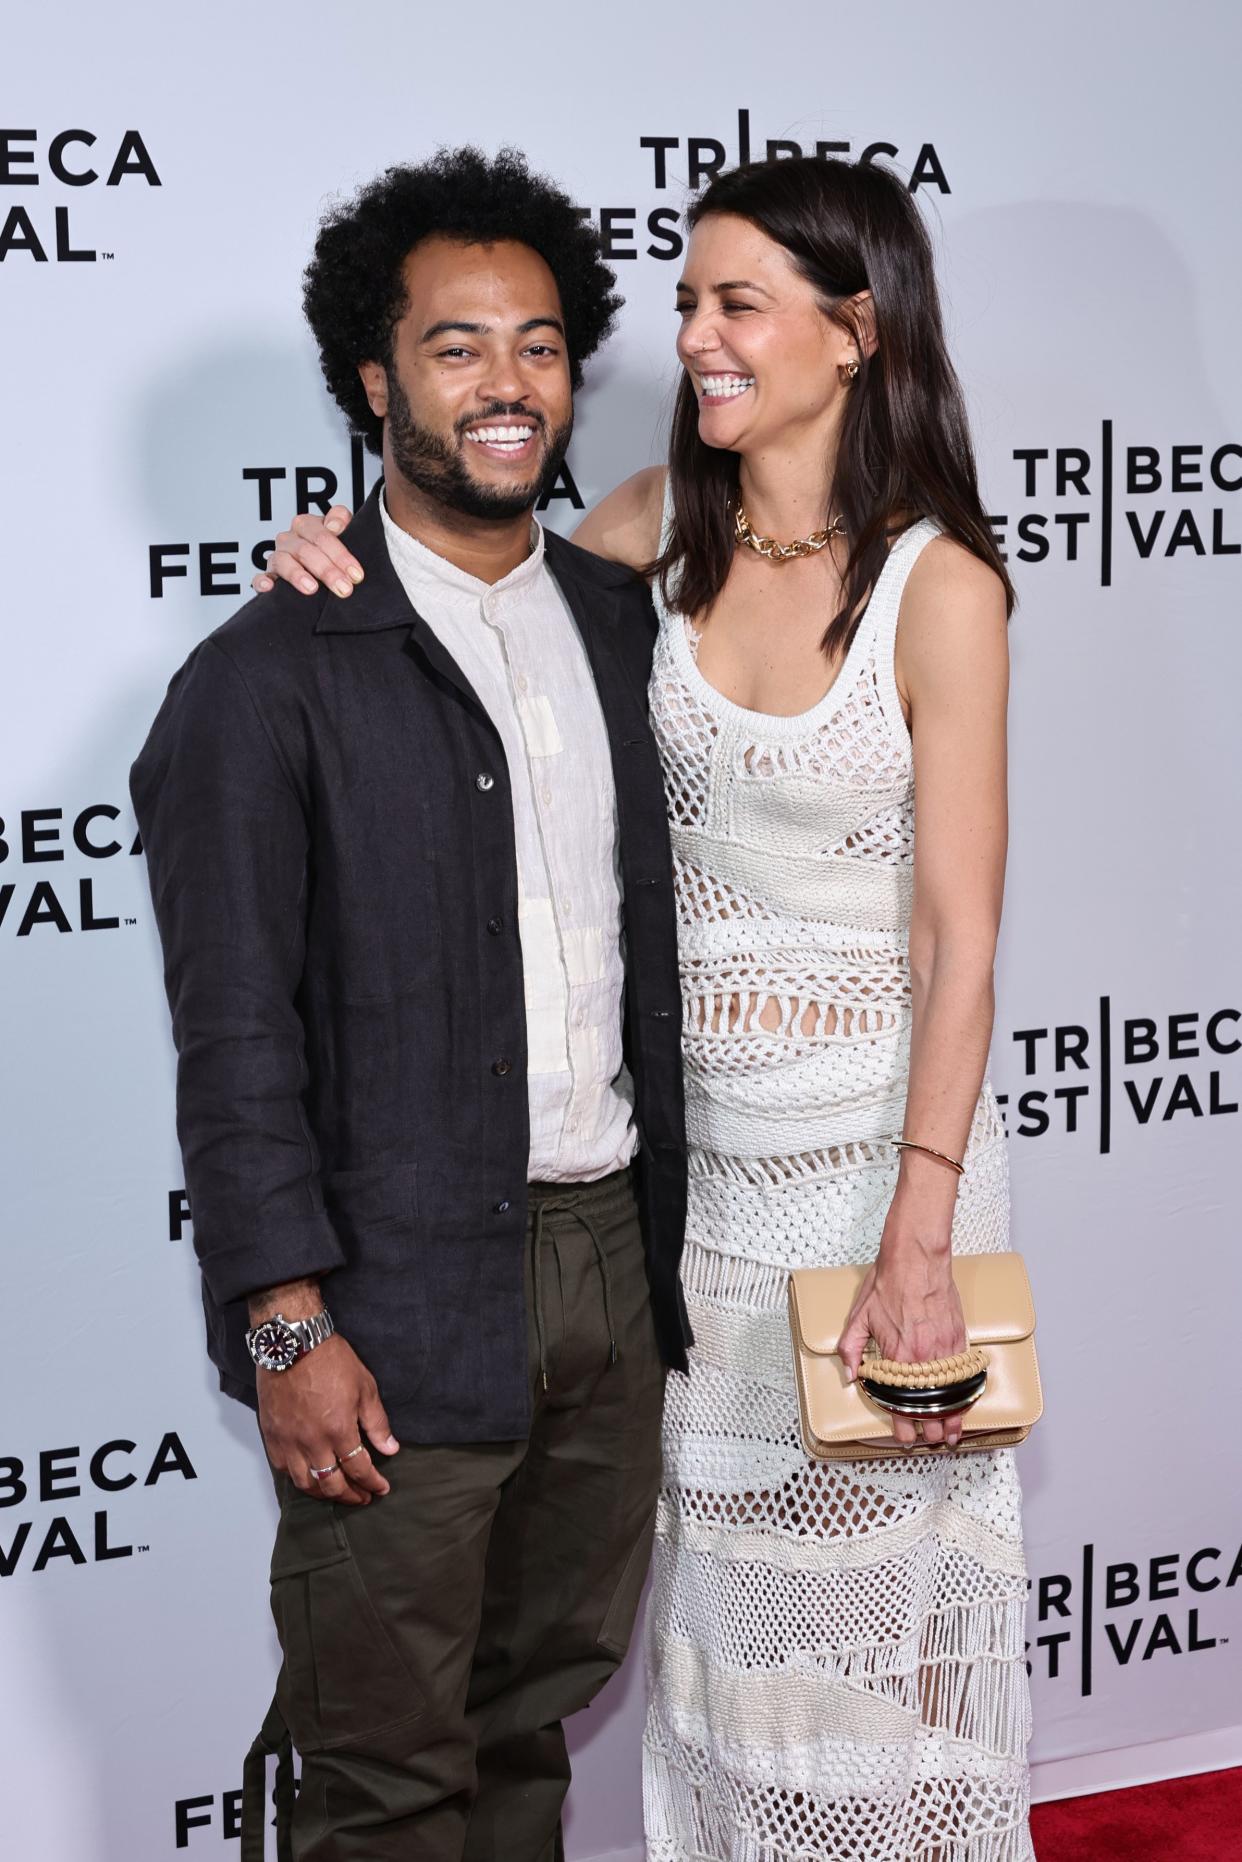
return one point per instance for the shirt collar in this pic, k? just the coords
(412, 558)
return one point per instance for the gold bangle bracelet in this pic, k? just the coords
(908, 1144)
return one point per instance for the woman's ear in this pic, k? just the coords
(374, 379)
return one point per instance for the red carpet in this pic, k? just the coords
(1181, 1820)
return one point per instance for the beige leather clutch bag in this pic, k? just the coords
(840, 1422)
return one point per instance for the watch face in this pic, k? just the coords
(275, 1345)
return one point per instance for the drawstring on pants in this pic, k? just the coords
(274, 1737)
(567, 1208)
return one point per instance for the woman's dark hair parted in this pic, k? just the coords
(354, 290)
(904, 449)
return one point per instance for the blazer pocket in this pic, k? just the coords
(370, 1204)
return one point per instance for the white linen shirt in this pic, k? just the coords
(519, 646)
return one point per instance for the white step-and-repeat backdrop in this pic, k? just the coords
(161, 174)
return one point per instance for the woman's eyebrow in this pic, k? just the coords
(728, 284)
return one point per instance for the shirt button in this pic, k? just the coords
(521, 682)
(501, 1067)
(495, 926)
(502, 1208)
(484, 782)
(547, 798)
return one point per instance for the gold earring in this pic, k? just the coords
(851, 369)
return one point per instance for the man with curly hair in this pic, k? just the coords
(429, 1096)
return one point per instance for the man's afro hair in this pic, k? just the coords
(354, 289)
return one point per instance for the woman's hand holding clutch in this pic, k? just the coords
(908, 1302)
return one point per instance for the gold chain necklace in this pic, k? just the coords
(773, 551)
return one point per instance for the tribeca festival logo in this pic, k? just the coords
(200, 1813)
(1082, 1077)
(43, 231)
(81, 1535)
(684, 159)
(179, 1216)
(31, 903)
(215, 567)
(1128, 1612)
(1094, 506)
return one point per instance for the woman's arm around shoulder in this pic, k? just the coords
(625, 526)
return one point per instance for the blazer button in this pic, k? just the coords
(483, 782)
(501, 1067)
(495, 926)
(502, 1208)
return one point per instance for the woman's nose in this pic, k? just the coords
(698, 337)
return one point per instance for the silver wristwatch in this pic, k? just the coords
(278, 1343)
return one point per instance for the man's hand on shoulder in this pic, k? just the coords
(321, 1413)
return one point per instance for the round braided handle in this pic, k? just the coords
(931, 1374)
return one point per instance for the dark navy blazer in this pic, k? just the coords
(327, 817)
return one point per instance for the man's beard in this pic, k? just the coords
(438, 469)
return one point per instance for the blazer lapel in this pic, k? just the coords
(380, 602)
(595, 609)
(641, 814)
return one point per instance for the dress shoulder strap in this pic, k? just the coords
(666, 521)
(666, 527)
(880, 620)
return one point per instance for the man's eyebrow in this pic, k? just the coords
(485, 329)
(440, 329)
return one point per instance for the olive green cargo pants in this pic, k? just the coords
(434, 1641)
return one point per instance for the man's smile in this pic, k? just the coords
(511, 440)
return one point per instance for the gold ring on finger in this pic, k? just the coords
(352, 1453)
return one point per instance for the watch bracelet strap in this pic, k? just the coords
(313, 1331)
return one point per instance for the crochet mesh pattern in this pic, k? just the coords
(835, 1651)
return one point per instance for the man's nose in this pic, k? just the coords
(502, 380)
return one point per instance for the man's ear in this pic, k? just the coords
(375, 384)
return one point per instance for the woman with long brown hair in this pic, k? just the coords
(836, 1649)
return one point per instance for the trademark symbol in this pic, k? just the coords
(131, 921)
(107, 255)
(142, 1548)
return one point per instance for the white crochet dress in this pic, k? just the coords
(836, 1652)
